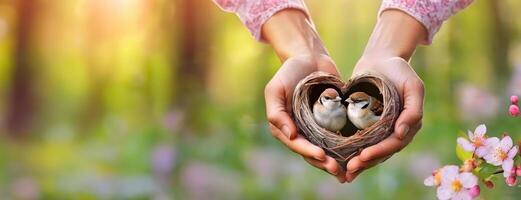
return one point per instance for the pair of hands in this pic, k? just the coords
(279, 92)
(392, 42)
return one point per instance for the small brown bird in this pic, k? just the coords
(363, 110)
(329, 112)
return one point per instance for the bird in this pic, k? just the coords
(329, 112)
(363, 110)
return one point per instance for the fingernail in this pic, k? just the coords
(285, 131)
(354, 170)
(355, 175)
(319, 158)
(341, 180)
(334, 174)
(404, 131)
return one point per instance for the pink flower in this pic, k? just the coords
(434, 179)
(513, 110)
(475, 191)
(479, 143)
(502, 153)
(455, 185)
(514, 99)
(511, 180)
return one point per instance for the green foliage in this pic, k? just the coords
(462, 154)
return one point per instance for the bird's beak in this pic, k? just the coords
(348, 100)
(338, 99)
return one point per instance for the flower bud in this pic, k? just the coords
(511, 180)
(489, 184)
(513, 110)
(474, 191)
(468, 165)
(518, 171)
(514, 99)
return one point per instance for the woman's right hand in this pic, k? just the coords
(297, 44)
(278, 95)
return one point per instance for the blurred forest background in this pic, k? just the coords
(162, 99)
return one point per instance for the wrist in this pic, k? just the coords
(291, 33)
(396, 34)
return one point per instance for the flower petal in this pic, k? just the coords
(507, 167)
(449, 173)
(480, 130)
(468, 180)
(470, 134)
(481, 151)
(444, 192)
(491, 158)
(465, 144)
(506, 143)
(462, 195)
(429, 181)
(492, 141)
(512, 152)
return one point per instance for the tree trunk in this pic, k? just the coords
(193, 49)
(499, 44)
(22, 99)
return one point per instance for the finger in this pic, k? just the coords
(277, 112)
(388, 146)
(329, 165)
(382, 149)
(412, 107)
(357, 166)
(300, 145)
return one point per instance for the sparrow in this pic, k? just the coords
(363, 110)
(329, 112)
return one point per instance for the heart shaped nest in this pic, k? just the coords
(352, 140)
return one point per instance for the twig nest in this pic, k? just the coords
(352, 140)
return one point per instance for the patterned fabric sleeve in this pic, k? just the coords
(431, 13)
(254, 13)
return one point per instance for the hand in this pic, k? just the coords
(294, 39)
(278, 94)
(392, 43)
(411, 89)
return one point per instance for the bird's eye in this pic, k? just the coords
(328, 98)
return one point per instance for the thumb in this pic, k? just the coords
(412, 114)
(277, 112)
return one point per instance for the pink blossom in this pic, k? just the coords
(502, 153)
(511, 180)
(514, 99)
(518, 171)
(475, 191)
(513, 110)
(434, 179)
(455, 185)
(479, 143)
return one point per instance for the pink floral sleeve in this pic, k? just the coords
(431, 13)
(254, 13)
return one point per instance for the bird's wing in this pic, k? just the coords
(377, 108)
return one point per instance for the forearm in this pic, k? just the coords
(396, 34)
(291, 33)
